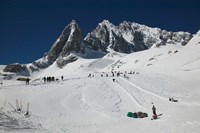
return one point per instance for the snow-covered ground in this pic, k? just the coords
(82, 104)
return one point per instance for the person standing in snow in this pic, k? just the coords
(45, 79)
(27, 81)
(154, 110)
(1, 84)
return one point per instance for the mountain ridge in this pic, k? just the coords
(127, 37)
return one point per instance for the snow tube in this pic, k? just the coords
(137, 114)
(129, 114)
(145, 114)
(140, 114)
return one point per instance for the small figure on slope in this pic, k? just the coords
(27, 81)
(154, 110)
(154, 113)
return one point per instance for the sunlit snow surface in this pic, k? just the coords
(82, 104)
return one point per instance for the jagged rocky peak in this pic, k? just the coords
(106, 23)
(119, 38)
(69, 40)
(98, 39)
(181, 37)
(73, 24)
(129, 37)
(155, 36)
(105, 26)
(125, 26)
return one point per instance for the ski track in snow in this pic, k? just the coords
(132, 97)
(143, 90)
(141, 98)
(134, 86)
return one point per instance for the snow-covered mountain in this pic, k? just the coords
(125, 38)
(99, 104)
(106, 37)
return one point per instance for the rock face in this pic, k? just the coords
(63, 61)
(68, 42)
(17, 68)
(130, 37)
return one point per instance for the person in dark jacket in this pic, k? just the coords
(27, 81)
(154, 110)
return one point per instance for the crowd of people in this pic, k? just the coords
(51, 79)
(114, 74)
(46, 79)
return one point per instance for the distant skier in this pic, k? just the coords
(173, 100)
(62, 77)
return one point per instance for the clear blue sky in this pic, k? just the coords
(28, 28)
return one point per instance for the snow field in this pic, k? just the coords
(82, 104)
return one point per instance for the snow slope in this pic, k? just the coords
(82, 104)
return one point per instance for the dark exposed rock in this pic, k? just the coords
(17, 68)
(41, 64)
(33, 69)
(119, 44)
(138, 41)
(69, 41)
(92, 42)
(63, 61)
